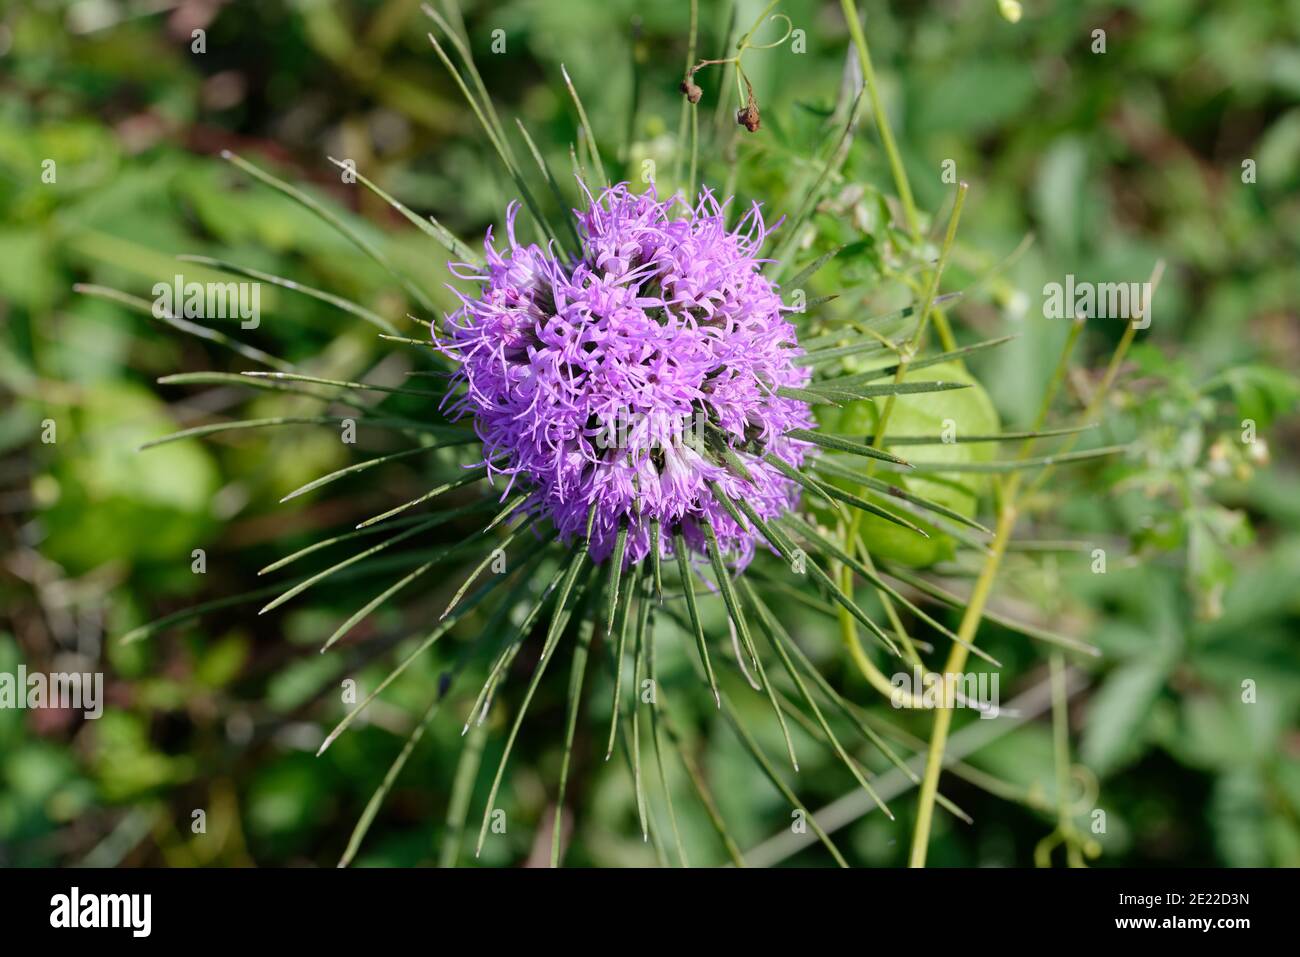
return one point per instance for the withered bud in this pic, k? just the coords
(691, 91)
(748, 118)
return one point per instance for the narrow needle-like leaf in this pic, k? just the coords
(615, 574)
(509, 647)
(830, 467)
(838, 444)
(834, 390)
(347, 562)
(776, 629)
(586, 128)
(624, 615)
(184, 325)
(386, 785)
(333, 219)
(341, 384)
(441, 517)
(430, 227)
(794, 556)
(395, 769)
(655, 729)
(803, 275)
(217, 427)
(349, 470)
(688, 590)
(374, 603)
(1017, 465)
(766, 767)
(853, 382)
(551, 183)
(960, 439)
(244, 382)
(638, 665)
(952, 600)
(559, 619)
(338, 302)
(462, 791)
(577, 672)
(738, 617)
(495, 135)
(497, 552)
(656, 543)
(474, 475)
(862, 504)
(443, 627)
(699, 783)
(807, 481)
(808, 699)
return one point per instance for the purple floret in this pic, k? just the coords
(589, 382)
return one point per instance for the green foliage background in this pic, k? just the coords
(1112, 160)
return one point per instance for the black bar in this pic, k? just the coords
(369, 907)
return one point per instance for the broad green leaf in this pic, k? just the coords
(968, 411)
(1115, 731)
(110, 500)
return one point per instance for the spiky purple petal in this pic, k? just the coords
(590, 382)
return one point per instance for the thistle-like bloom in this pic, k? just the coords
(622, 379)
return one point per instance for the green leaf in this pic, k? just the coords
(1262, 393)
(1114, 731)
(112, 501)
(969, 411)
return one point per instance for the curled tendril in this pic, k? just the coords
(748, 114)
(789, 29)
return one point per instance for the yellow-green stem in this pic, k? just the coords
(882, 123)
(975, 609)
(896, 168)
(932, 291)
(688, 112)
(1093, 410)
(1061, 759)
(956, 660)
(848, 628)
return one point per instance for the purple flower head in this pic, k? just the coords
(613, 380)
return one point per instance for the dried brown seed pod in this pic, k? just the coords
(748, 117)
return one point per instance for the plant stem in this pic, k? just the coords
(762, 18)
(689, 110)
(956, 660)
(896, 167)
(914, 343)
(848, 628)
(1006, 525)
(1061, 760)
(882, 122)
(1093, 409)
